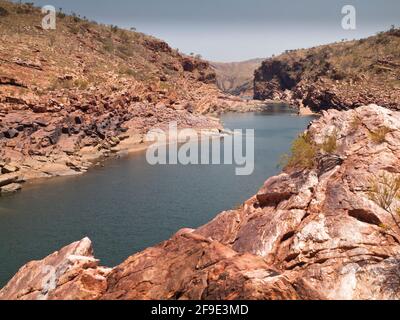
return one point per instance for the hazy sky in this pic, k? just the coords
(233, 30)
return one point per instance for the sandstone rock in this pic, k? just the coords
(10, 188)
(6, 179)
(10, 134)
(71, 272)
(9, 168)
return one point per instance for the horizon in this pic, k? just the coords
(234, 31)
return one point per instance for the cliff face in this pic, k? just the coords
(236, 78)
(85, 90)
(323, 229)
(340, 76)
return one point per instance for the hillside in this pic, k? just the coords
(86, 90)
(236, 77)
(341, 75)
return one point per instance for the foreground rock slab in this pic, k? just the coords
(309, 233)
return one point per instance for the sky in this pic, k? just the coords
(236, 30)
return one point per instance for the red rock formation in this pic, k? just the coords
(337, 76)
(88, 91)
(313, 233)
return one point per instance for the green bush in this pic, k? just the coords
(303, 153)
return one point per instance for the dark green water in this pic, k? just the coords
(129, 205)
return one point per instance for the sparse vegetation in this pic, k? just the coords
(330, 143)
(81, 84)
(127, 71)
(125, 50)
(379, 136)
(3, 12)
(24, 8)
(343, 69)
(356, 123)
(57, 83)
(384, 190)
(108, 45)
(303, 153)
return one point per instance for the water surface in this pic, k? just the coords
(128, 205)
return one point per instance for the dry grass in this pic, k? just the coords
(330, 144)
(379, 136)
(384, 190)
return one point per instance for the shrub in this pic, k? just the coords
(3, 12)
(125, 51)
(330, 143)
(57, 83)
(114, 28)
(24, 8)
(385, 191)
(379, 136)
(60, 84)
(81, 84)
(108, 45)
(303, 153)
(128, 71)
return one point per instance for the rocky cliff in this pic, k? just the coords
(85, 90)
(236, 78)
(341, 76)
(326, 228)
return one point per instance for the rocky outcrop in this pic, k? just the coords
(339, 76)
(309, 233)
(71, 273)
(236, 77)
(70, 98)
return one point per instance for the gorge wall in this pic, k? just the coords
(342, 76)
(86, 90)
(236, 78)
(319, 230)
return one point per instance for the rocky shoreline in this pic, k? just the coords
(316, 231)
(89, 91)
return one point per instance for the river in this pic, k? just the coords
(128, 205)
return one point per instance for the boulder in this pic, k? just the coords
(9, 168)
(10, 188)
(6, 179)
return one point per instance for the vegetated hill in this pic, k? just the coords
(236, 78)
(341, 75)
(87, 86)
